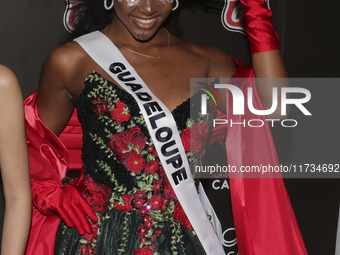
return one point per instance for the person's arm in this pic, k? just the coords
(55, 105)
(266, 56)
(14, 166)
(269, 68)
(55, 102)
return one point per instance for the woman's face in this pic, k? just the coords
(142, 18)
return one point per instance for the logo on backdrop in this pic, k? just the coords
(69, 22)
(240, 101)
(210, 91)
(233, 17)
(228, 237)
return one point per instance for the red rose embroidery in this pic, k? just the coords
(185, 137)
(125, 204)
(143, 230)
(125, 141)
(148, 221)
(196, 137)
(164, 204)
(140, 194)
(143, 240)
(139, 202)
(89, 237)
(155, 202)
(86, 250)
(144, 210)
(119, 142)
(134, 162)
(179, 215)
(101, 106)
(157, 186)
(154, 153)
(168, 192)
(96, 195)
(120, 113)
(152, 167)
(144, 251)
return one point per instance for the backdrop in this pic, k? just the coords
(309, 39)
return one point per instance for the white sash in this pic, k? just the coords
(163, 131)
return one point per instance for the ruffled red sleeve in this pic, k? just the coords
(49, 160)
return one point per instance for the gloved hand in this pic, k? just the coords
(71, 207)
(261, 32)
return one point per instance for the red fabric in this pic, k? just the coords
(264, 220)
(48, 164)
(72, 138)
(263, 216)
(261, 32)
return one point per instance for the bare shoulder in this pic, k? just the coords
(8, 83)
(58, 82)
(218, 63)
(62, 69)
(7, 78)
(11, 100)
(64, 59)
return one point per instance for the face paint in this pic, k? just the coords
(137, 1)
(134, 3)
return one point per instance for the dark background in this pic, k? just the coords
(309, 36)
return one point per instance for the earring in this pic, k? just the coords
(176, 6)
(108, 7)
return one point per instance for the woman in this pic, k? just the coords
(123, 203)
(14, 166)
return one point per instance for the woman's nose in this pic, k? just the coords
(148, 7)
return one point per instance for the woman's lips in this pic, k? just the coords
(144, 23)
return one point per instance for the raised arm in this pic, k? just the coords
(14, 166)
(265, 49)
(269, 68)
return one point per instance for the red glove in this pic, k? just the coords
(71, 207)
(261, 32)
